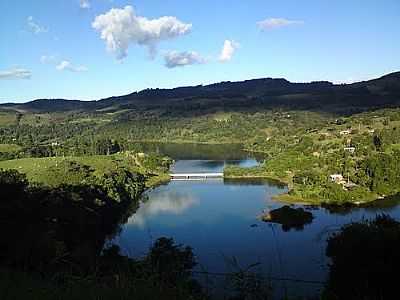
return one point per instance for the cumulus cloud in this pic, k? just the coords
(180, 59)
(228, 50)
(16, 73)
(35, 27)
(84, 3)
(121, 27)
(66, 65)
(275, 23)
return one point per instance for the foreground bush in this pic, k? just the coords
(365, 260)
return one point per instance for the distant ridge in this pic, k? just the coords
(267, 92)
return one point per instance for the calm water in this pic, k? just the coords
(219, 220)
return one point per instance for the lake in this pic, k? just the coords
(220, 221)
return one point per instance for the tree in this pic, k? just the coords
(377, 142)
(365, 260)
(171, 261)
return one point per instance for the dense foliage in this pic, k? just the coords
(365, 260)
(47, 227)
(53, 240)
(85, 172)
(299, 147)
(306, 132)
(363, 149)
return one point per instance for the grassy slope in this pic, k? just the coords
(327, 142)
(41, 170)
(9, 148)
(7, 118)
(277, 133)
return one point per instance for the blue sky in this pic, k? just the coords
(54, 49)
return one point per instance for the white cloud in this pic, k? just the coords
(275, 23)
(48, 59)
(35, 27)
(62, 65)
(16, 73)
(121, 27)
(180, 59)
(84, 3)
(66, 65)
(228, 50)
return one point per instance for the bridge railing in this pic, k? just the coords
(194, 176)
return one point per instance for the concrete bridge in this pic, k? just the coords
(195, 176)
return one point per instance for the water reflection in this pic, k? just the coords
(220, 219)
(253, 181)
(166, 201)
(196, 151)
(189, 166)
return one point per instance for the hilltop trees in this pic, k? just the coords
(383, 172)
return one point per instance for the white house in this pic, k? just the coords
(336, 177)
(349, 149)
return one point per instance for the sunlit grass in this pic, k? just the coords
(9, 147)
(41, 170)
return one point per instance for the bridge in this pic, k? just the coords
(195, 176)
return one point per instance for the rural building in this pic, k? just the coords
(349, 149)
(336, 178)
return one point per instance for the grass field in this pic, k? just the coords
(50, 171)
(7, 118)
(9, 148)
(54, 171)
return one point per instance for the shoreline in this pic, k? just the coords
(157, 180)
(288, 199)
(285, 198)
(183, 142)
(271, 178)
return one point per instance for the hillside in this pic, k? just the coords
(306, 132)
(266, 93)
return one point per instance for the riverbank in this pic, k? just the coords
(157, 180)
(257, 172)
(293, 199)
(295, 191)
(285, 198)
(190, 142)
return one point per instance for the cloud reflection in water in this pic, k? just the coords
(161, 202)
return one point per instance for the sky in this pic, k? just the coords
(93, 49)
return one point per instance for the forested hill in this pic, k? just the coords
(265, 93)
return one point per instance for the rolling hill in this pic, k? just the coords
(266, 93)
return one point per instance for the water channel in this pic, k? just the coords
(220, 221)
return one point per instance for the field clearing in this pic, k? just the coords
(393, 147)
(46, 170)
(33, 119)
(222, 116)
(9, 148)
(92, 121)
(7, 118)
